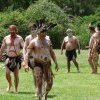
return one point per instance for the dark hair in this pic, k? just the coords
(0, 45)
(32, 25)
(92, 28)
(98, 26)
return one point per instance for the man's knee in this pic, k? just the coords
(90, 59)
(38, 78)
(49, 86)
(50, 81)
(7, 71)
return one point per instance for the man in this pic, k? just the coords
(12, 44)
(94, 45)
(92, 31)
(43, 51)
(71, 43)
(32, 29)
(28, 39)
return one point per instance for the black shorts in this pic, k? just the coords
(13, 62)
(30, 65)
(71, 54)
(41, 64)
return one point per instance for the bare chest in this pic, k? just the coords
(41, 46)
(16, 42)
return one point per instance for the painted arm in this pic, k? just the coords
(3, 46)
(21, 42)
(62, 47)
(53, 56)
(78, 45)
(26, 57)
(26, 43)
(91, 42)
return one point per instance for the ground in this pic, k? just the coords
(67, 86)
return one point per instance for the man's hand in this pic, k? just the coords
(78, 51)
(61, 52)
(0, 57)
(56, 67)
(26, 67)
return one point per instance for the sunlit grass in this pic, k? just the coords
(67, 86)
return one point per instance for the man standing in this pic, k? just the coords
(12, 44)
(92, 31)
(28, 39)
(94, 45)
(71, 43)
(43, 51)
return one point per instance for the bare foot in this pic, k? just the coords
(9, 88)
(93, 72)
(16, 92)
(78, 71)
(36, 92)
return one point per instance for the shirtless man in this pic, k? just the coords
(32, 29)
(92, 31)
(28, 39)
(94, 45)
(71, 43)
(12, 44)
(43, 51)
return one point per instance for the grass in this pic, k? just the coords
(67, 86)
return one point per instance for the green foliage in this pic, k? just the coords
(36, 11)
(78, 7)
(16, 18)
(53, 13)
(80, 26)
(15, 4)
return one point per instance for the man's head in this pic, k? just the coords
(92, 29)
(12, 29)
(97, 29)
(32, 28)
(69, 32)
(42, 34)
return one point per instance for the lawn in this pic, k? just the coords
(67, 86)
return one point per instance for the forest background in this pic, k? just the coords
(74, 14)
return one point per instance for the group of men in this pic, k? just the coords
(37, 54)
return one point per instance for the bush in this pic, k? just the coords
(15, 17)
(54, 14)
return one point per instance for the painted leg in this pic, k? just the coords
(39, 75)
(95, 61)
(90, 60)
(68, 65)
(76, 64)
(34, 79)
(49, 81)
(8, 77)
(16, 79)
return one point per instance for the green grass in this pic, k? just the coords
(67, 86)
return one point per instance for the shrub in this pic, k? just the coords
(14, 17)
(44, 8)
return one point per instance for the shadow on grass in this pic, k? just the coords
(51, 96)
(26, 93)
(74, 72)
